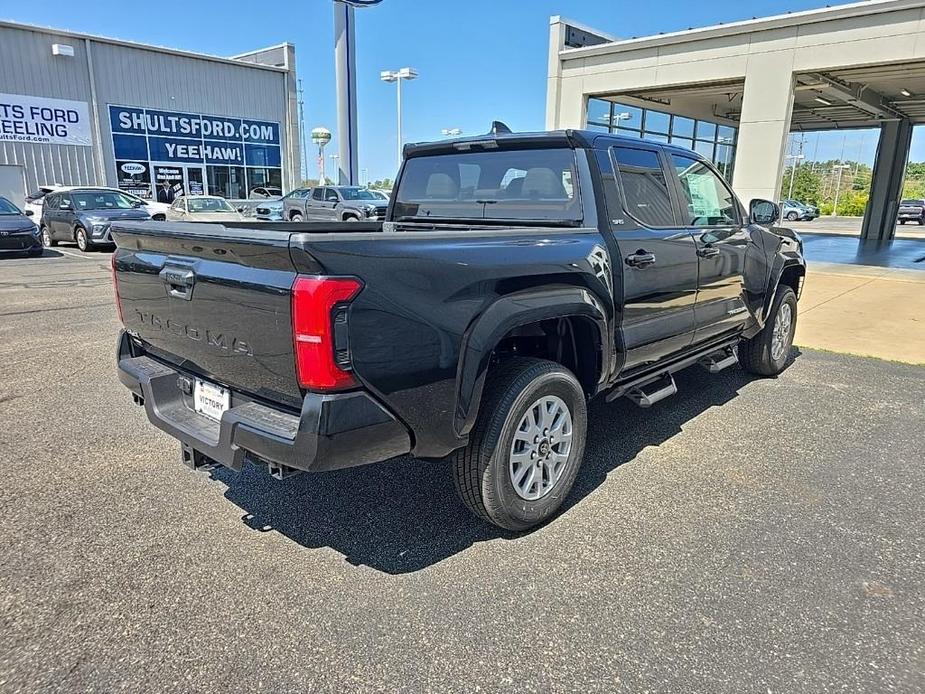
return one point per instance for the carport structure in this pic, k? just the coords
(860, 65)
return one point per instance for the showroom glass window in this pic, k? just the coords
(714, 141)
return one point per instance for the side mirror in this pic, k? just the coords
(763, 212)
(138, 203)
(29, 213)
(242, 208)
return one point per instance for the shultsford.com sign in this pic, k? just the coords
(39, 120)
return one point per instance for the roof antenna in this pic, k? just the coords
(499, 128)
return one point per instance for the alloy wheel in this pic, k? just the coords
(540, 450)
(781, 334)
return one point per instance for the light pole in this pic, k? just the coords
(406, 73)
(364, 175)
(335, 158)
(841, 168)
(451, 132)
(793, 168)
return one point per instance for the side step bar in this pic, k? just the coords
(723, 359)
(648, 394)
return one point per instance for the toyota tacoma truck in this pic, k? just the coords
(515, 278)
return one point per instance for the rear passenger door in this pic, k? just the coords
(314, 204)
(657, 257)
(714, 217)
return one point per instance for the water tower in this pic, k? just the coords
(321, 137)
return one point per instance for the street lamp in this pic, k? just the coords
(451, 132)
(406, 73)
(793, 168)
(841, 168)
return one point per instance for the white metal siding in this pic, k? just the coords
(132, 76)
(28, 67)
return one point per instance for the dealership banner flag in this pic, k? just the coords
(39, 120)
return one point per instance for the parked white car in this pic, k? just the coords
(157, 210)
(202, 208)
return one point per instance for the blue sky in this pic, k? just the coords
(479, 60)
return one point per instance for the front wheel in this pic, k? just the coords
(792, 216)
(47, 239)
(902, 221)
(527, 444)
(295, 217)
(766, 353)
(83, 242)
(921, 221)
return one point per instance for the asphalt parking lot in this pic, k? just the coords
(745, 535)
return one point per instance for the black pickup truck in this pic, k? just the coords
(516, 277)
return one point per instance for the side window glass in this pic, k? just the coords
(330, 195)
(706, 199)
(645, 190)
(612, 200)
(318, 194)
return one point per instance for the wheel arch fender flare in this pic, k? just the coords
(785, 268)
(512, 311)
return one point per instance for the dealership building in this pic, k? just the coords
(85, 110)
(736, 91)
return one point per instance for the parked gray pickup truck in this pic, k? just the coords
(334, 204)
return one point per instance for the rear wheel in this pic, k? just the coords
(83, 241)
(767, 352)
(527, 444)
(47, 240)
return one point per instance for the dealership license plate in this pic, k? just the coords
(210, 400)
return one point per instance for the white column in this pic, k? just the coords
(764, 126)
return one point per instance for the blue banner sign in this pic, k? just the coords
(174, 136)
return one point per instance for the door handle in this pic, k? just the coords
(179, 282)
(640, 259)
(708, 252)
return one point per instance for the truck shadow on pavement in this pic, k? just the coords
(403, 515)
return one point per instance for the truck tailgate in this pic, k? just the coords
(212, 301)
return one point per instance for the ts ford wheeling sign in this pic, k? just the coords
(192, 138)
(44, 121)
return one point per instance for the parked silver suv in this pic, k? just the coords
(335, 204)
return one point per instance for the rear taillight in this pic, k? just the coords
(115, 286)
(318, 326)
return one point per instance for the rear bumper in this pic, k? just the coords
(331, 432)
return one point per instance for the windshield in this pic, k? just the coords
(208, 205)
(356, 194)
(101, 200)
(522, 185)
(7, 208)
(379, 195)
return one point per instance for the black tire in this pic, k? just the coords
(482, 470)
(756, 354)
(792, 216)
(902, 221)
(295, 217)
(47, 239)
(921, 221)
(82, 239)
(351, 218)
(159, 218)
